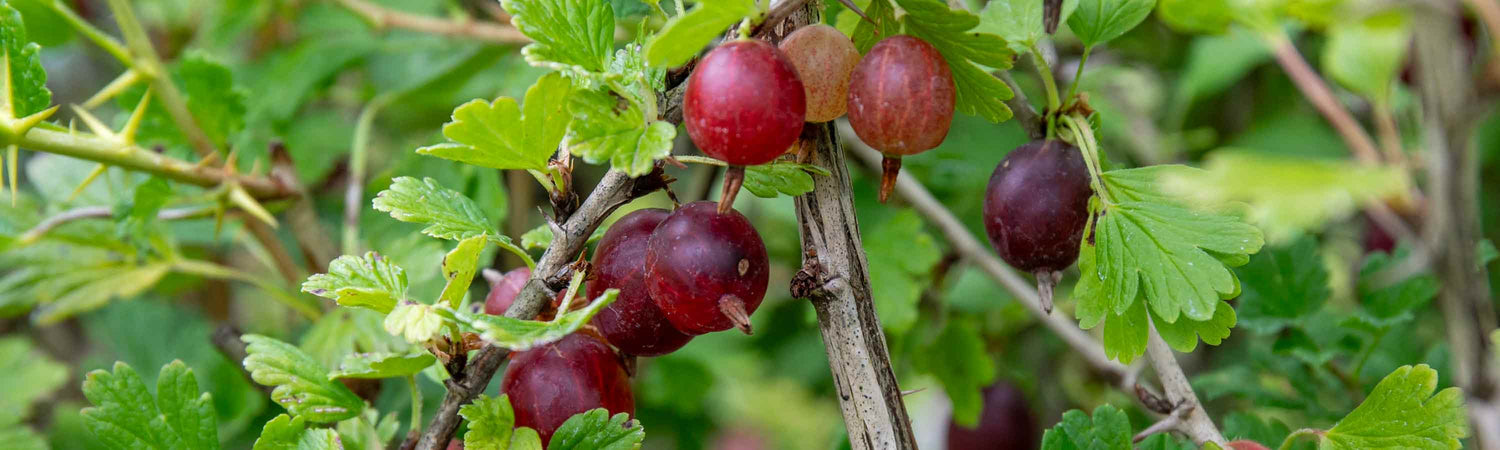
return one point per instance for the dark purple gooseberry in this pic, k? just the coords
(633, 323)
(1035, 209)
(707, 271)
(744, 105)
(1005, 423)
(550, 383)
(503, 289)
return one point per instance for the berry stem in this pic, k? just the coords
(416, 406)
(1078, 75)
(734, 309)
(1084, 137)
(734, 177)
(890, 168)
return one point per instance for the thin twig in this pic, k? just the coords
(100, 149)
(381, 17)
(1025, 114)
(1316, 90)
(354, 202)
(267, 238)
(1168, 423)
(227, 339)
(150, 64)
(1197, 425)
(98, 212)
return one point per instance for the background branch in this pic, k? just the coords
(381, 18)
(1316, 91)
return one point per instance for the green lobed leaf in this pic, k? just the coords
(1286, 194)
(1366, 55)
(291, 433)
(1403, 412)
(901, 256)
(373, 282)
(301, 384)
(503, 135)
(416, 322)
(125, 415)
(1282, 285)
(1108, 429)
(1184, 334)
(383, 365)
(28, 375)
(1175, 257)
(28, 80)
(1019, 22)
(970, 55)
(597, 430)
(216, 103)
(1099, 21)
(91, 287)
(1241, 425)
(957, 357)
(490, 422)
(537, 238)
(520, 335)
(684, 36)
(573, 35)
(369, 431)
(1385, 306)
(610, 127)
(784, 177)
(447, 213)
(865, 34)
(459, 267)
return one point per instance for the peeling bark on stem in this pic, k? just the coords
(869, 397)
(1196, 425)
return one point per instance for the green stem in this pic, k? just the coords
(745, 26)
(1291, 439)
(1359, 366)
(1045, 72)
(1078, 76)
(1084, 137)
(680, 9)
(416, 406)
(115, 153)
(150, 64)
(104, 41)
(354, 197)
(206, 269)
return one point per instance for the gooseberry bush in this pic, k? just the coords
(485, 224)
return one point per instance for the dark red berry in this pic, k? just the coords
(744, 105)
(707, 271)
(633, 323)
(550, 383)
(503, 289)
(901, 98)
(1004, 423)
(1035, 209)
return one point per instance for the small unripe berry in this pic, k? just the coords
(824, 59)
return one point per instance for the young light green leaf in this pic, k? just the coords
(92, 287)
(382, 365)
(784, 177)
(291, 433)
(447, 213)
(1196, 16)
(417, 322)
(1366, 55)
(459, 266)
(971, 55)
(1286, 194)
(490, 426)
(1099, 21)
(683, 36)
(901, 256)
(372, 282)
(1019, 21)
(520, 335)
(960, 362)
(27, 374)
(502, 135)
(301, 384)
(597, 430)
(1402, 412)
(369, 431)
(1282, 285)
(609, 127)
(28, 81)
(1109, 429)
(125, 415)
(573, 35)
(538, 238)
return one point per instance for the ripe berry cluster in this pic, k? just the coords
(679, 274)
